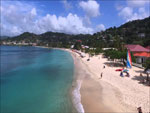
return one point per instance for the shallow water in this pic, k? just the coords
(35, 80)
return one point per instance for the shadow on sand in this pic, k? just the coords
(113, 64)
(142, 80)
(139, 71)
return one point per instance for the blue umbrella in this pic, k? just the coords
(125, 70)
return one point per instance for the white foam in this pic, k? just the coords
(77, 97)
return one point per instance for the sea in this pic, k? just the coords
(35, 80)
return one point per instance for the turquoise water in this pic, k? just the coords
(35, 80)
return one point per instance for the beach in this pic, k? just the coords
(111, 93)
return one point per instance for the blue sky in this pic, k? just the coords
(68, 16)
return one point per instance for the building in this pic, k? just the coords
(141, 54)
(141, 35)
(83, 46)
(108, 48)
(148, 47)
(72, 46)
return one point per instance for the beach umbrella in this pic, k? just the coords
(125, 70)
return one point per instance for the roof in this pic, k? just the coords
(148, 47)
(79, 41)
(136, 48)
(144, 54)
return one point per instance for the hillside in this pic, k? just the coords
(3, 37)
(134, 32)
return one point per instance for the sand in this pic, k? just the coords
(111, 93)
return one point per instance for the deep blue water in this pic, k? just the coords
(35, 80)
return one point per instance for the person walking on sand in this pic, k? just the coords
(127, 74)
(101, 74)
(141, 75)
(121, 74)
(139, 110)
(104, 66)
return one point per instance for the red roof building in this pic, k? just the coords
(139, 52)
(79, 41)
(148, 47)
(136, 48)
(142, 54)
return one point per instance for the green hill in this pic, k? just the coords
(133, 32)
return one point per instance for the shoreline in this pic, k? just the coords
(77, 82)
(82, 75)
(98, 102)
(125, 93)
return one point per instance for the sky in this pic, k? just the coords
(68, 16)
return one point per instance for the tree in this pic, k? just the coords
(77, 46)
(117, 43)
(133, 58)
(147, 63)
(97, 51)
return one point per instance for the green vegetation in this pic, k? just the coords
(77, 45)
(97, 51)
(147, 64)
(133, 58)
(117, 54)
(134, 32)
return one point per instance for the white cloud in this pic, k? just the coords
(15, 30)
(135, 9)
(137, 3)
(90, 7)
(128, 14)
(16, 20)
(86, 21)
(100, 27)
(71, 24)
(9, 30)
(33, 12)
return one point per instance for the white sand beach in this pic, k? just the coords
(111, 93)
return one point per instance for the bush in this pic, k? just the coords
(133, 58)
(97, 51)
(77, 46)
(147, 63)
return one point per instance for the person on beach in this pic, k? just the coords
(104, 66)
(141, 75)
(139, 110)
(121, 74)
(101, 74)
(142, 78)
(147, 78)
(127, 74)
